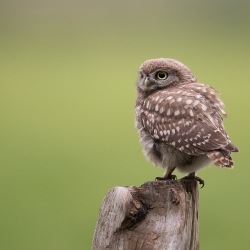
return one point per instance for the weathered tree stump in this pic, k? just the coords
(157, 215)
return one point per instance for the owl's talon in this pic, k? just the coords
(171, 177)
(196, 178)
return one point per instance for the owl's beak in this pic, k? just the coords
(147, 83)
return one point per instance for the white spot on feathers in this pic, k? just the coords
(203, 107)
(223, 111)
(156, 107)
(161, 109)
(196, 102)
(177, 112)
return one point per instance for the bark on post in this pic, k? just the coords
(157, 215)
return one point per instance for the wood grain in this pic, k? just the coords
(157, 215)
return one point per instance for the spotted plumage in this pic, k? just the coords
(180, 121)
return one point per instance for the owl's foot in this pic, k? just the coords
(165, 178)
(192, 176)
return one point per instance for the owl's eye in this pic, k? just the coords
(161, 75)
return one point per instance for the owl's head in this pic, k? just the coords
(162, 73)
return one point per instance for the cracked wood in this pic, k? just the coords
(157, 215)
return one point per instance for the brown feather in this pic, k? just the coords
(180, 119)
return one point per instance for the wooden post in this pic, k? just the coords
(157, 215)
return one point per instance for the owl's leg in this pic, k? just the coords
(168, 174)
(192, 176)
(168, 162)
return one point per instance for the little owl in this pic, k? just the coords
(179, 120)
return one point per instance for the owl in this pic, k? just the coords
(179, 120)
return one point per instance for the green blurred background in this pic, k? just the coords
(67, 90)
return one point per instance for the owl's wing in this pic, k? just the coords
(186, 120)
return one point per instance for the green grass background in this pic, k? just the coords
(67, 89)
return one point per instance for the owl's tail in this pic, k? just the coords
(221, 158)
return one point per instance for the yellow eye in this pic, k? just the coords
(161, 75)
